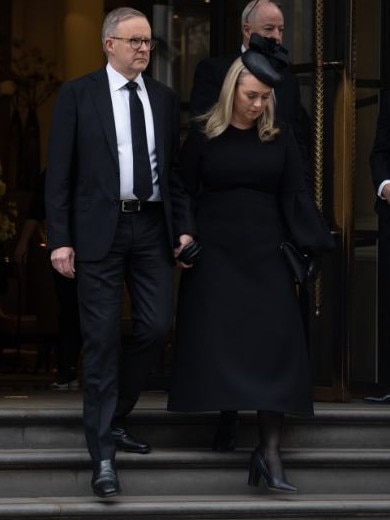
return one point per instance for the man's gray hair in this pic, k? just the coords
(250, 9)
(116, 16)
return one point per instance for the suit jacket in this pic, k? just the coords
(380, 153)
(82, 184)
(209, 76)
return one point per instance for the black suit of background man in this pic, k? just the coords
(380, 169)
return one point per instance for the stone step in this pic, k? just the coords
(333, 426)
(266, 507)
(46, 473)
(339, 460)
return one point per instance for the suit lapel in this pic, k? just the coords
(103, 104)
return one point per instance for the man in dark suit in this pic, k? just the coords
(380, 170)
(265, 18)
(110, 222)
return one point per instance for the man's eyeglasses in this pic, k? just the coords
(250, 10)
(136, 43)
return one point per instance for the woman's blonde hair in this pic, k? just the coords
(218, 118)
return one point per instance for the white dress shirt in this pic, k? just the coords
(120, 104)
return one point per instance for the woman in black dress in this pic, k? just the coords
(240, 337)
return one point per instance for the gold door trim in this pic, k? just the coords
(344, 129)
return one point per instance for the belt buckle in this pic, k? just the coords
(135, 206)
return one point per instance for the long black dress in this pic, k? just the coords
(240, 338)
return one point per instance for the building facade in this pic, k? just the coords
(338, 49)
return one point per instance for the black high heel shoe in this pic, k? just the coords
(259, 467)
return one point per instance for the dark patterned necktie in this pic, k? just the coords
(142, 171)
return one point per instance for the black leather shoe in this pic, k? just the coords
(385, 399)
(125, 442)
(104, 479)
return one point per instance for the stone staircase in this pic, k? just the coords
(340, 461)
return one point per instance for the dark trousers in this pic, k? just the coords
(69, 346)
(141, 259)
(384, 300)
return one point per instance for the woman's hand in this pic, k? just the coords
(183, 241)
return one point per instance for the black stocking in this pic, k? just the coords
(270, 434)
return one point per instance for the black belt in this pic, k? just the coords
(135, 206)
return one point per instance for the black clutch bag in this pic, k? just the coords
(302, 266)
(190, 253)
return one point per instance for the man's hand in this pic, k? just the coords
(62, 260)
(386, 193)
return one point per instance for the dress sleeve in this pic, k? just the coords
(190, 165)
(305, 224)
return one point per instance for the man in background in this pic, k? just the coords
(68, 348)
(263, 17)
(380, 171)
